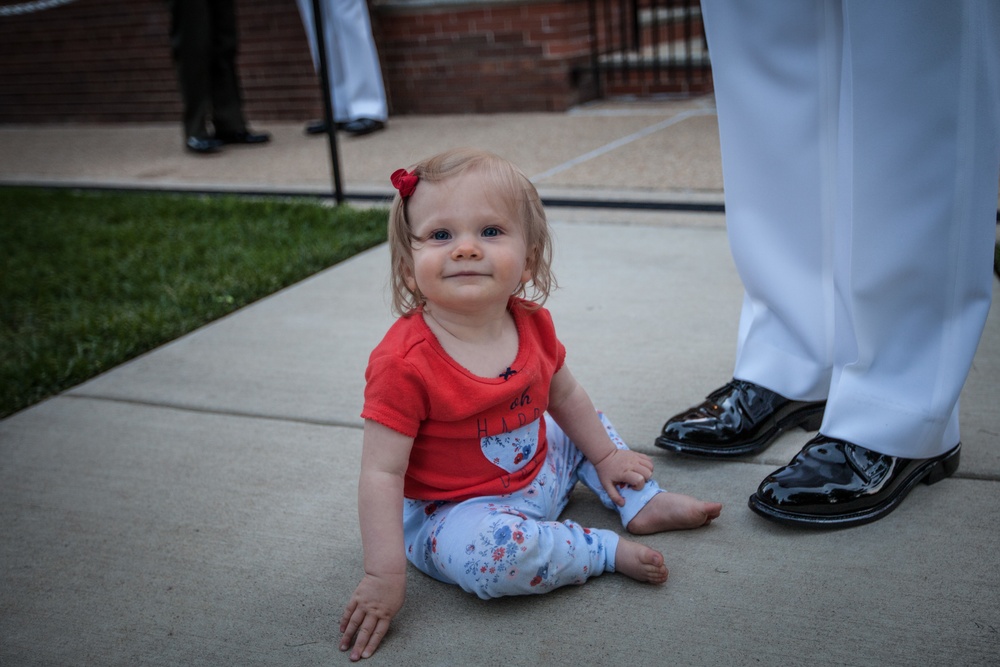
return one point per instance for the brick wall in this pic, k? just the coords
(484, 57)
(109, 60)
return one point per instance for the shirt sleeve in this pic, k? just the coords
(395, 395)
(550, 343)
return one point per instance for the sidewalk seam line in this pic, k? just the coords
(342, 424)
(210, 411)
(618, 143)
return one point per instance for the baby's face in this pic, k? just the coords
(470, 252)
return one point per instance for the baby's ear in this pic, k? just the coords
(529, 268)
(411, 282)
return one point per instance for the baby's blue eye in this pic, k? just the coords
(491, 232)
(440, 235)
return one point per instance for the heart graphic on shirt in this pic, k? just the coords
(512, 451)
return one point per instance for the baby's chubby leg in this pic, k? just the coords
(650, 509)
(511, 544)
(493, 549)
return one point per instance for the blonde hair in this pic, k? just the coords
(511, 186)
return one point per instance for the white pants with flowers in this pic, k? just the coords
(512, 544)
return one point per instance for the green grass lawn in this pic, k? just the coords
(89, 280)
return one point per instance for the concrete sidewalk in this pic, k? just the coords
(670, 151)
(196, 506)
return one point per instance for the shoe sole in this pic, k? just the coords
(931, 473)
(362, 133)
(808, 419)
(204, 151)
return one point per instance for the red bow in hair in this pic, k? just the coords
(404, 181)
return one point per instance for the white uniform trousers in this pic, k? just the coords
(861, 152)
(513, 544)
(357, 87)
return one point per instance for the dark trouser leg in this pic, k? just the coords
(190, 43)
(227, 101)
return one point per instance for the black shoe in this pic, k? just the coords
(836, 484)
(243, 137)
(362, 126)
(203, 146)
(740, 418)
(316, 127)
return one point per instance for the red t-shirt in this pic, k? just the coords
(473, 436)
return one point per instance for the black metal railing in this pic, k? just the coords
(644, 47)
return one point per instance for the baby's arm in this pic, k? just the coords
(380, 594)
(571, 407)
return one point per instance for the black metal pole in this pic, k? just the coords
(595, 45)
(325, 85)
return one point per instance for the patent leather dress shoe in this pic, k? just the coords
(737, 419)
(836, 484)
(203, 146)
(362, 126)
(244, 137)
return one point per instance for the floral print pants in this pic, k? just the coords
(512, 544)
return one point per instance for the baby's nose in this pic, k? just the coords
(467, 249)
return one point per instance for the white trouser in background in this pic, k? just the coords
(355, 73)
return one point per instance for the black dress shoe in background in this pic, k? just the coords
(836, 484)
(737, 419)
(357, 127)
(203, 146)
(362, 126)
(316, 127)
(243, 137)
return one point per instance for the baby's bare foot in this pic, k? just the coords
(673, 511)
(639, 562)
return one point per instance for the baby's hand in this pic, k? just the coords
(625, 468)
(366, 619)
